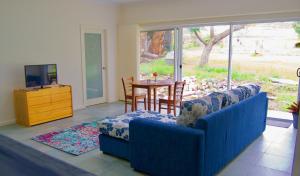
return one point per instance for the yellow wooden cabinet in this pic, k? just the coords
(37, 106)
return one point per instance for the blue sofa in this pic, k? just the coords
(165, 149)
(160, 145)
(114, 136)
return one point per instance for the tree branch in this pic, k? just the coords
(200, 38)
(224, 34)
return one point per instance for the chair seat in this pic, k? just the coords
(162, 100)
(127, 86)
(136, 96)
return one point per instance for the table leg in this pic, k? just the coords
(169, 98)
(154, 99)
(133, 99)
(149, 98)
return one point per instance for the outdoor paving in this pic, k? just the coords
(280, 115)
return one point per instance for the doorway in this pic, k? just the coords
(93, 65)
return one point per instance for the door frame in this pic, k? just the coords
(97, 30)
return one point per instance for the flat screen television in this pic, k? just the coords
(40, 75)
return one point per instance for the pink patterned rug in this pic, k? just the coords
(76, 140)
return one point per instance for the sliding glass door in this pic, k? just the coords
(266, 54)
(157, 54)
(219, 57)
(205, 59)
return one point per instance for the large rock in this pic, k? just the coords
(283, 81)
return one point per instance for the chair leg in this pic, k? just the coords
(125, 105)
(159, 107)
(145, 106)
(174, 109)
(169, 108)
(135, 105)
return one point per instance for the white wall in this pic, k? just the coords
(48, 31)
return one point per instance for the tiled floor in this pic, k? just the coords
(271, 154)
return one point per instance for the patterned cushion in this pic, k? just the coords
(233, 96)
(119, 127)
(219, 100)
(192, 110)
(250, 89)
(240, 93)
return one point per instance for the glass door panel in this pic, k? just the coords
(267, 54)
(157, 54)
(205, 59)
(93, 64)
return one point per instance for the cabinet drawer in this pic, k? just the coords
(61, 97)
(39, 117)
(36, 118)
(39, 109)
(61, 105)
(63, 89)
(46, 100)
(38, 93)
(62, 112)
(47, 107)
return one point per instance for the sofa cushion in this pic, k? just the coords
(118, 127)
(240, 93)
(250, 89)
(233, 96)
(192, 110)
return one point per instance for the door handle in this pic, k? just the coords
(103, 68)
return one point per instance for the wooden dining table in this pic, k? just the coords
(151, 85)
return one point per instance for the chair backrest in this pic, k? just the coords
(127, 85)
(178, 90)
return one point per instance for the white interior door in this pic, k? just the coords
(93, 65)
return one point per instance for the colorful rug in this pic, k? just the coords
(76, 140)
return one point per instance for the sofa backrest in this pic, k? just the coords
(230, 130)
(195, 109)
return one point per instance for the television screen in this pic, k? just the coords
(40, 75)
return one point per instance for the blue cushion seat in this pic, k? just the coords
(118, 127)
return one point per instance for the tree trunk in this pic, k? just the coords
(205, 54)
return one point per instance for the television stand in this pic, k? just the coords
(40, 105)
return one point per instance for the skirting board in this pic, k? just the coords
(8, 122)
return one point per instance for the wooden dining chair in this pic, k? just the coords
(127, 86)
(174, 100)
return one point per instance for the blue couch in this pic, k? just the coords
(209, 133)
(114, 136)
(166, 149)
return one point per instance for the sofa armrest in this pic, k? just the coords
(166, 149)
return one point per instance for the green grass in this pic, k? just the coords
(285, 95)
(208, 72)
(159, 66)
